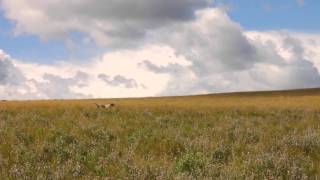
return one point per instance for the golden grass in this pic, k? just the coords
(267, 135)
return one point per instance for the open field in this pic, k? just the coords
(267, 135)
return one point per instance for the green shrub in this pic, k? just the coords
(309, 142)
(191, 163)
(221, 155)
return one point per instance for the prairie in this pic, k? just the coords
(254, 135)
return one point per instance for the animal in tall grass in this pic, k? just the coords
(105, 106)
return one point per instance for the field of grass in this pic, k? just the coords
(266, 135)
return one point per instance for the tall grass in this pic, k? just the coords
(242, 136)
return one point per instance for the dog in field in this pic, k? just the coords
(105, 106)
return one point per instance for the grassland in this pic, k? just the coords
(266, 135)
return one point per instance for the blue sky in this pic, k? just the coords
(31, 48)
(274, 14)
(156, 48)
(252, 15)
(28, 47)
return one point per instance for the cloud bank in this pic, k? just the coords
(157, 48)
(115, 24)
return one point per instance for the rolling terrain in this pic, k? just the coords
(252, 135)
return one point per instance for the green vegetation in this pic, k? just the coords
(267, 135)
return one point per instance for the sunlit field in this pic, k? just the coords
(266, 135)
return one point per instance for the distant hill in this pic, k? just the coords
(294, 92)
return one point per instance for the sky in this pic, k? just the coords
(76, 49)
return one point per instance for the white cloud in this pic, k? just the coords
(112, 23)
(212, 42)
(85, 80)
(119, 80)
(193, 50)
(9, 74)
(226, 58)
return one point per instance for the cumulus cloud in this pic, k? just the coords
(119, 80)
(225, 58)
(297, 70)
(14, 84)
(112, 23)
(98, 78)
(9, 74)
(167, 48)
(213, 42)
(170, 68)
(57, 87)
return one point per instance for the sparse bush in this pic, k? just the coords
(222, 154)
(98, 134)
(309, 142)
(277, 166)
(250, 137)
(191, 163)
(25, 138)
(159, 147)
